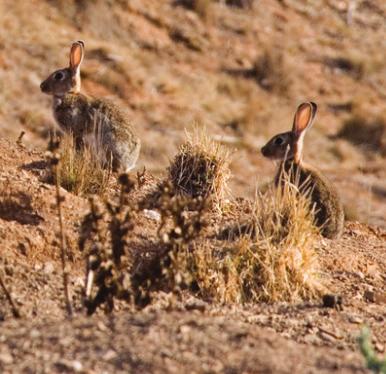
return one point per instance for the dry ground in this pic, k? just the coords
(173, 67)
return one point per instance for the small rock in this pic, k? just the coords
(77, 366)
(332, 301)
(195, 304)
(312, 339)
(38, 267)
(109, 355)
(375, 297)
(6, 358)
(185, 329)
(355, 319)
(152, 214)
(360, 275)
(258, 319)
(327, 337)
(101, 326)
(34, 333)
(48, 268)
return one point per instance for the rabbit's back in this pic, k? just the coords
(328, 207)
(101, 120)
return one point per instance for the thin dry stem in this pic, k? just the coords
(15, 311)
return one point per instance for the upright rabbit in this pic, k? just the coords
(95, 121)
(288, 147)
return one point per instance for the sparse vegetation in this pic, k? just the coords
(271, 72)
(192, 288)
(201, 168)
(375, 364)
(273, 257)
(82, 171)
(367, 132)
(104, 244)
(55, 161)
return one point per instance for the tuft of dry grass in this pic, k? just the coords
(202, 7)
(272, 259)
(272, 72)
(201, 167)
(366, 131)
(82, 171)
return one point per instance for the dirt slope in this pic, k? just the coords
(173, 334)
(174, 67)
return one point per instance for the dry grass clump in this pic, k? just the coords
(368, 132)
(273, 258)
(271, 72)
(200, 168)
(201, 7)
(82, 171)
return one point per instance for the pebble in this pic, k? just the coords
(152, 214)
(355, 319)
(109, 355)
(49, 268)
(6, 358)
(195, 304)
(375, 297)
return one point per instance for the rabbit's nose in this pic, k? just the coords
(263, 151)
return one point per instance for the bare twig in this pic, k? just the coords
(15, 310)
(19, 140)
(54, 165)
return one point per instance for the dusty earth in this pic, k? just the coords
(174, 67)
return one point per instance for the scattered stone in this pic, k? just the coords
(375, 297)
(6, 358)
(195, 304)
(332, 301)
(152, 214)
(49, 268)
(109, 355)
(312, 339)
(355, 319)
(258, 319)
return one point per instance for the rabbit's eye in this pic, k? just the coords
(279, 140)
(58, 76)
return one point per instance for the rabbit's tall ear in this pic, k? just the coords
(304, 117)
(76, 55)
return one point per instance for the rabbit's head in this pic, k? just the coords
(289, 145)
(66, 80)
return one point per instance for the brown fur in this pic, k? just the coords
(90, 119)
(329, 213)
(287, 147)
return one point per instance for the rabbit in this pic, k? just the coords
(91, 120)
(288, 147)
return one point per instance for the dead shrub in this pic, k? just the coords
(104, 238)
(200, 168)
(368, 132)
(273, 259)
(271, 72)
